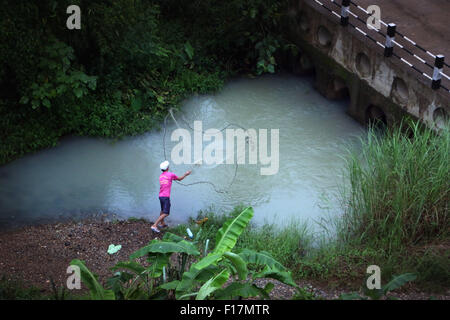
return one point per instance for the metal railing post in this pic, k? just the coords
(438, 68)
(389, 47)
(345, 12)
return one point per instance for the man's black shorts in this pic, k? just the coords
(165, 204)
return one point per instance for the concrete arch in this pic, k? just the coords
(375, 116)
(302, 64)
(400, 90)
(324, 36)
(341, 89)
(362, 65)
(440, 117)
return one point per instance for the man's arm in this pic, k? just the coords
(184, 175)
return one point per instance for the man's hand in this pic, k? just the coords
(185, 175)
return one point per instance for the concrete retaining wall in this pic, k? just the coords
(347, 63)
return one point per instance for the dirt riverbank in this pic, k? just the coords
(35, 255)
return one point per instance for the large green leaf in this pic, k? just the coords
(231, 230)
(168, 236)
(238, 263)
(206, 261)
(237, 289)
(115, 283)
(129, 265)
(96, 290)
(158, 246)
(282, 276)
(158, 262)
(207, 273)
(189, 277)
(398, 281)
(351, 296)
(261, 258)
(170, 285)
(213, 284)
(189, 50)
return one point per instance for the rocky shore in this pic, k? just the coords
(39, 255)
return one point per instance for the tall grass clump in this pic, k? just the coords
(399, 188)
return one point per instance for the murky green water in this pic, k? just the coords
(83, 176)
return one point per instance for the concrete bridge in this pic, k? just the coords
(349, 61)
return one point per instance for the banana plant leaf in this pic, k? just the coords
(239, 264)
(282, 276)
(213, 284)
(170, 285)
(398, 281)
(228, 235)
(158, 262)
(158, 246)
(243, 290)
(168, 236)
(95, 288)
(351, 296)
(261, 258)
(189, 277)
(129, 265)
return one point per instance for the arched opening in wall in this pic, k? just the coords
(340, 89)
(375, 117)
(440, 118)
(400, 90)
(324, 36)
(307, 65)
(362, 64)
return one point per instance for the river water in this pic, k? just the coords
(85, 176)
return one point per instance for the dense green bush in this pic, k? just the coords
(130, 62)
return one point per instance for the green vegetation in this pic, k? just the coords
(377, 294)
(287, 245)
(13, 289)
(400, 188)
(175, 268)
(395, 216)
(134, 60)
(395, 212)
(130, 62)
(397, 205)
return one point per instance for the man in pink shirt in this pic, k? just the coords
(165, 184)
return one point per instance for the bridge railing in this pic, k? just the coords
(387, 41)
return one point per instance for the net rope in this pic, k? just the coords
(196, 163)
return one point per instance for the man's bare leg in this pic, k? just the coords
(162, 222)
(160, 218)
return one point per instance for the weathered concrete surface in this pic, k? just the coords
(426, 22)
(346, 61)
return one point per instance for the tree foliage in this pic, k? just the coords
(129, 63)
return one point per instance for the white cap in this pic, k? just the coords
(164, 165)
